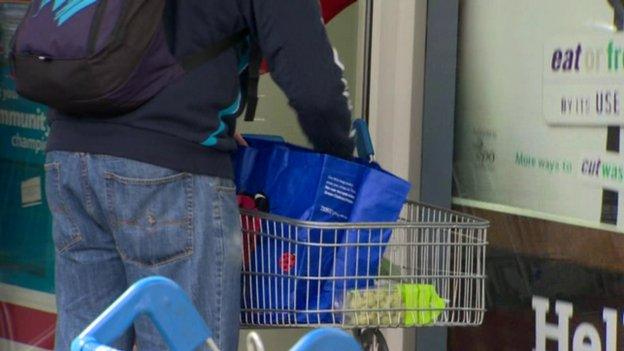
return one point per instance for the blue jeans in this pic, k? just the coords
(117, 221)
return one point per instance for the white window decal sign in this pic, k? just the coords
(585, 336)
(31, 192)
(583, 81)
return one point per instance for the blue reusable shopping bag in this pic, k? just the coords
(361, 250)
(310, 186)
(251, 163)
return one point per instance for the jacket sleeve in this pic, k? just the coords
(292, 37)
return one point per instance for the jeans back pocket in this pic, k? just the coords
(152, 218)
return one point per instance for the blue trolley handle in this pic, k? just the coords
(164, 302)
(327, 339)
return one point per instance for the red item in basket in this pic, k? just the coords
(250, 225)
(287, 262)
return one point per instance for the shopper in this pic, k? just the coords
(150, 192)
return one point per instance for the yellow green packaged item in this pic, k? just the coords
(422, 303)
(405, 305)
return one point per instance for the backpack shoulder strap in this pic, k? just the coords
(199, 58)
(253, 79)
(253, 70)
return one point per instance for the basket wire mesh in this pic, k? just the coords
(427, 269)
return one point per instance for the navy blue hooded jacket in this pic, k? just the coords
(182, 128)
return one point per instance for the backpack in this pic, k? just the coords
(106, 57)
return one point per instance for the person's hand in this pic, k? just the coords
(240, 140)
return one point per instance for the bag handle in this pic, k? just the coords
(363, 141)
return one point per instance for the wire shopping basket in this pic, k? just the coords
(427, 269)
